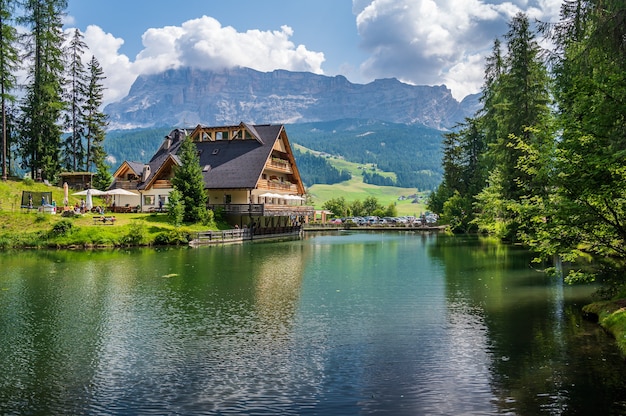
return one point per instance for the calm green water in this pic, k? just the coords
(332, 325)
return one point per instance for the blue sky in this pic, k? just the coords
(422, 42)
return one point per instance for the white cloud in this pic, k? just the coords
(437, 41)
(119, 71)
(199, 43)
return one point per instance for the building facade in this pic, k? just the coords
(249, 171)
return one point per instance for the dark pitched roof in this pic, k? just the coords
(232, 164)
(227, 164)
(137, 167)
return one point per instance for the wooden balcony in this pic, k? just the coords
(263, 210)
(238, 209)
(277, 186)
(162, 184)
(128, 185)
(279, 165)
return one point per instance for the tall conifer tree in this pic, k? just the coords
(43, 102)
(518, 127)
(188, 180)
(95, 121)
(73, 151)
(9, 59)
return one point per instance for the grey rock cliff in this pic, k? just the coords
(186, 97)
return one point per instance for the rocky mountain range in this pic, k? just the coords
(186, 97)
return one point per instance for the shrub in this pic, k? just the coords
(137, 234)
(176, 208)
(6, 242)
(173, 237)
(41, 217)
(63, 227)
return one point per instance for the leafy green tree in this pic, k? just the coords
(391, 211)
(43, 101)
(587, 211)
(457, 213)
(188, 180)
(356, 209)
(370, 205)
(9, 62)
(337, 206)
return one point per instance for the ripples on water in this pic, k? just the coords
(352, 324)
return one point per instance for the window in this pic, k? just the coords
(228, 198)
(148, 199)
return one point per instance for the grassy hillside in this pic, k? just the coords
(355, 189)
(412, 152)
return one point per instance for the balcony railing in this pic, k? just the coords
(277, 186)
(238, 209)
(268, 210)
(279, 165)
(129, 185)
(162, 184)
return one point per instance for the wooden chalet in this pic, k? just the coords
(250, 175)
(76, 180)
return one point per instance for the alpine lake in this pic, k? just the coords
(346, 323)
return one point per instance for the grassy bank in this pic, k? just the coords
(611, 316)
(21, 229)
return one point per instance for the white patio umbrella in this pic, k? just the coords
(93, 192)
(65, 194)
(270, 195)
(88, 201)
(119, 191)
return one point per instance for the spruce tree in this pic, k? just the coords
(518, 126)
(74, 152)
(95, 121)
(188, 180)
(43, 103)
(9, 59)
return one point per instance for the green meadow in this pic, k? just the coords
(356, 189)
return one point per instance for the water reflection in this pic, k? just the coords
(345, 324)
(538, 344)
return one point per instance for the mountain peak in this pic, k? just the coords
(186, 97)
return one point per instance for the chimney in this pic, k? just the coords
(145, 173)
